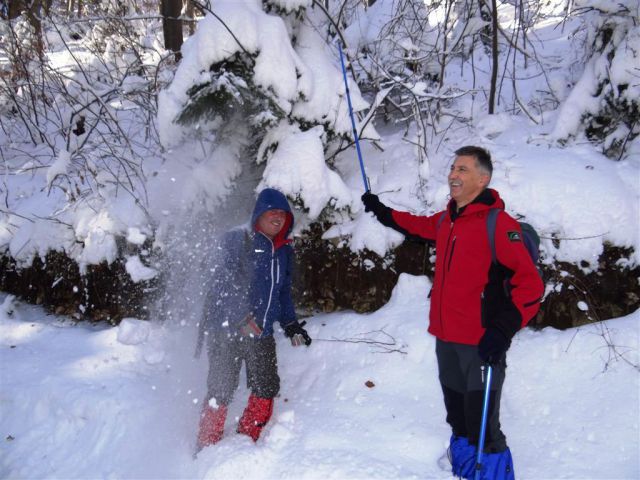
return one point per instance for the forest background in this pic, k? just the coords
(124, 150)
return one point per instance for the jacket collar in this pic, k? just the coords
(487, 199)
(281, 238)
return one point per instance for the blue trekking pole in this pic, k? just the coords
(483, 424)
(353, 121)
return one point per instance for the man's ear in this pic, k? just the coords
(484, 180)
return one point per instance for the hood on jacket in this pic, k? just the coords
(272, 199)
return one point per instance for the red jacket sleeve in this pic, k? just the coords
(415, 225)
(527, 287)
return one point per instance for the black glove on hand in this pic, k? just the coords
(371, 202)
(297, 334)
(249, 327)
(493, 346)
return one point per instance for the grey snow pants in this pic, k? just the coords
(225, 361)
(462, 384)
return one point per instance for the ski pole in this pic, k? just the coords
(483, 424)
(353, 121)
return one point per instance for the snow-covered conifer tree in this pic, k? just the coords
(261, 82)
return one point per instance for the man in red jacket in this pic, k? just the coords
(472, 315)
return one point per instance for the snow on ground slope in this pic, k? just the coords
(80, 401)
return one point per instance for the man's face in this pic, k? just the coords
(271, 222)
(466, 180)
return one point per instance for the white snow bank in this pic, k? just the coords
(363, 401)
(132, 331)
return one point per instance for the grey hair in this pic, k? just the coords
(482, 156)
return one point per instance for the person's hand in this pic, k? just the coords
(249, 327)
(493, 346)
(371, 202)
(297, 334)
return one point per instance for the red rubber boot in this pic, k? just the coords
(211, 425)
(255, 416)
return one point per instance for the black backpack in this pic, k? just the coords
(530, 238)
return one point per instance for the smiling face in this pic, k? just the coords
(466, 180)
(271, 222)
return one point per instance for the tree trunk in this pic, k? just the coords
(191, 14)
(15, 8)
(73, 5)
(33, 12)
(172, 25)
(445, 33)
(494, 55)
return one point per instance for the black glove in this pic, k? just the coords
(493, 346)
(297, 334)
(372, 203)
(249, 327)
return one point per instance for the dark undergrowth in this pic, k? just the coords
(328, 278)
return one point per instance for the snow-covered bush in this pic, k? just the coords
(605, 101)
(79, 124)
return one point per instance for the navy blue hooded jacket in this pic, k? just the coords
(252, 274)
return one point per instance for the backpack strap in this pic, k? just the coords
(440, 220)
(492, 219)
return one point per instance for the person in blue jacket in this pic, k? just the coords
(250, 289)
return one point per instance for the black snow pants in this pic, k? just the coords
(225, 361)
(462, 382)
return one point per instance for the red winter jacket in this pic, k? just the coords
(468, 292)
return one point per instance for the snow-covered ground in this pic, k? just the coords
(83, 401)
(363, 401)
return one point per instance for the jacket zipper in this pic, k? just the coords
(453, 246)
(266, 312)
